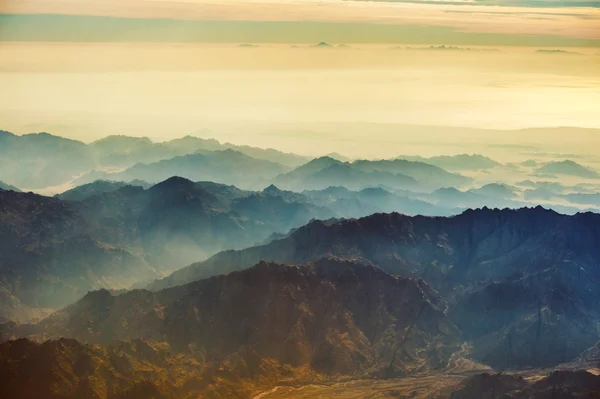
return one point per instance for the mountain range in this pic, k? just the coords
(198, 269)
(334, 316)
(569, 168)
(379, 297)
(226, 167)
(50, 164)
(54, 250)
(521, 284)
(542, 260)
(457, 162)
(43, 160)
(324, 172)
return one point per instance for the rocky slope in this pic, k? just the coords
(522, 284)
(65, 368)
(336, 317)
(558, 385)
(52, 251)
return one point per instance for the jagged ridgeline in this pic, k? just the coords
(510, 289)
(197, 269)
(521, 285)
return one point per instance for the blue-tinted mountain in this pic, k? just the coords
(592, 199)
(127, 151)
(8, 187)
(84, 191)
(495, 190)
(351, 204)
(569, 168)
(226, 167)
(51, 253)
(52, 250)
(457, 162)
(324, 172)
(41, 159)
(428, 176)
(545, 262)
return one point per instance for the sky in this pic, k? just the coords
(379, 19)
(242, 69)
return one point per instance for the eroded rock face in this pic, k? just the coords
(52, 251)
(522, 285)
(337, 317)
(137, 369)
(557, 385)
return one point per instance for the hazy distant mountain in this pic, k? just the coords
(313, 166)
(227, 167)
(543, 261)
(179, 221)
(428, 176)
(496, 190)
(124, 151)
(269, 154)
(583, 198)
(354, 178)
(127, 151)
(540, 194)
(456, 162)
(82, 192)
(530, 163)
(114, 235)
(352, 204)
(549, 185)
(324, 172)
(8, 187)
(338, 157)
(333, 316)
(41, 160)
(569, 168)
(452, 197)
(51, 253)
(492, 195)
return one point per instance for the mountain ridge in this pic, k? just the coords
(335, 316)
(536, 253)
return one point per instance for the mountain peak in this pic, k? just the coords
(325, 160)
(4, 133)
(271, 189)
(173, 183)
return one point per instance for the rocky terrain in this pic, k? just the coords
(521, 284)
(52, 250)
(372, 278)
(346, 306)
(333, 316)
(138, 369)
(564, 384)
